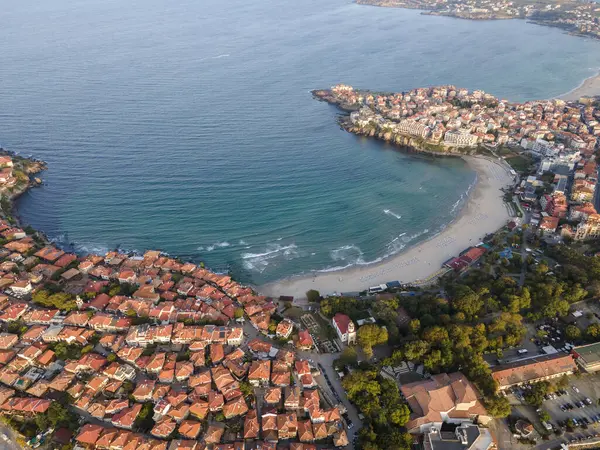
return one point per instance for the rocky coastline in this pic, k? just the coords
(404, 142)
(30, 168)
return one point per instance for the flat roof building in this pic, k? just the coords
(588, 357)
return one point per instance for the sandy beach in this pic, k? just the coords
(589, 88)
(485, 212)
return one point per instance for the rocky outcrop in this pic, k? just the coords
(405, 142)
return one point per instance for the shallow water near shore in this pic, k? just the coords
(191, 128)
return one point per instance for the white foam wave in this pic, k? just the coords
(464, 196)
(391, 213)
(260, 261)
(225, 55)
(210, 248)
(243, 242)
(347, 253)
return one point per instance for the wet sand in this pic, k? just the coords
(484, 213)
(589, 88)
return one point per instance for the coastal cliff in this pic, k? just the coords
(17, 175)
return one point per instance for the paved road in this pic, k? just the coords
(11, 444)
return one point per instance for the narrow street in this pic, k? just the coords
(10, 442)
(326, 361)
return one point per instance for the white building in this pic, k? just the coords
(344, 327)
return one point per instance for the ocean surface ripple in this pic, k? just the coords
(189, 126)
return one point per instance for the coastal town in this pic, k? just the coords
(578, 18)
(125, 351)
(499, 349)
(561, 137)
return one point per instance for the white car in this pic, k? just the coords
(575, 389)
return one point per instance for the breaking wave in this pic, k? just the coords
(210, 248)
(260, 261)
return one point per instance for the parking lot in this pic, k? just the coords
(574, 412)
(578, 402)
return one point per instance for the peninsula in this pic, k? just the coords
(574, 17)
(489, 133)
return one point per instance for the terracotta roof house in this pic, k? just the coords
(284, 329)
(281, 378)
(301, 446)
(340, 439)
(319, 431)
(272, 396)
(217, 353)
(89, 434)
(234, 408)
(199, 409)
(190, 429)
(126, 417)
(444, 398)
(533, 370)
(8, 340)
(292, 397)
(260, 373)
(214, 433)
(251, 426)
(287, 425)
(305, 340)
(269, 426)
(549, 224)
(305, 431)
(216, 401)
(163, 428)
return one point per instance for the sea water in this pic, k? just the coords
(189, 126)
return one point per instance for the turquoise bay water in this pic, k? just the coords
(189, 126)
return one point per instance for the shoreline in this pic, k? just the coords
(484, 212)
(589, 87)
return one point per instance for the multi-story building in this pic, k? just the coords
(460, 138)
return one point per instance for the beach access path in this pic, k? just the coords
(484, 213)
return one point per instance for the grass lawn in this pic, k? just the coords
(519, 163)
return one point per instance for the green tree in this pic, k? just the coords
(498, 406)
(144, 421)
(371, 335)
(414, 326)
(535, 395)
(572, 332)
(593, 331)
(313, 296)
(465, 300)
(238, 313)
(562, 382)
(415, 350)
(348, 357)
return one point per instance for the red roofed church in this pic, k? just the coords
(345, 329)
